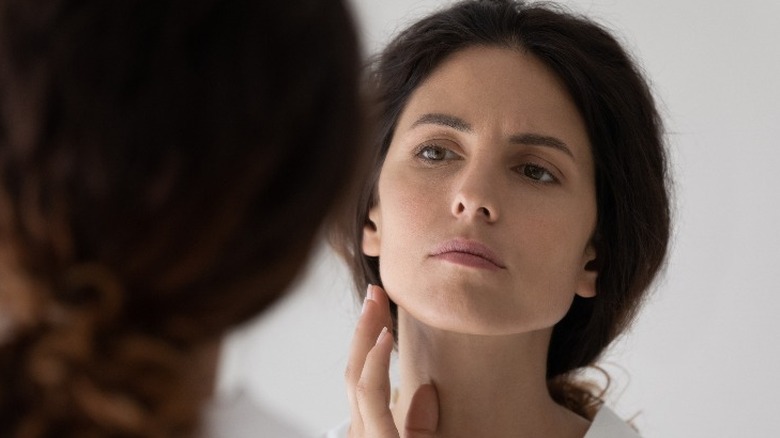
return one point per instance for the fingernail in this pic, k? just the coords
(369, 295)
(382, 335)
(370, 292)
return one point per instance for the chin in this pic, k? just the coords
(487, 319)
(467, 321)
(468, 304)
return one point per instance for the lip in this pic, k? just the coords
(468, 252)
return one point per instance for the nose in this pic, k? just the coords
(475, 198)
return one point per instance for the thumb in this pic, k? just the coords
(422, 420)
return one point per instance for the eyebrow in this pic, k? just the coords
(524, 139)
(447, 120)
(541, 140)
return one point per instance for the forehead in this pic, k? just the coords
(498, 88)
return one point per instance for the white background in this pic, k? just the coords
(702, 360)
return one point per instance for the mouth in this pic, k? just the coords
(469, 253)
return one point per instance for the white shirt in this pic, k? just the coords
(606, 424)
(236, 416)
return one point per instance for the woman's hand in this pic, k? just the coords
(368, 380)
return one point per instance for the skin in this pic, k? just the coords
(490, 150)
(368, 384)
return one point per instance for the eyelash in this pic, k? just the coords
(420, 150)
(550, 175)
(521, 169)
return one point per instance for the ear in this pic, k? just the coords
(372, 236)
(586, 286)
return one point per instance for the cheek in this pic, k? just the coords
(411, 209)
(549, 248)
(556, 231)
(411, 223)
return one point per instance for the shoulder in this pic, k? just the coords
(607, 424)
(237, 416)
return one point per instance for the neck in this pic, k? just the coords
(487, 385)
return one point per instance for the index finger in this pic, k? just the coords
(379, 296)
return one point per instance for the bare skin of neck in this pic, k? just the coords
(488, 385)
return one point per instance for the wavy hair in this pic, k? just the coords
(165, 167)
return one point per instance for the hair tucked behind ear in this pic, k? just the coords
(625, 133)
(165, 166)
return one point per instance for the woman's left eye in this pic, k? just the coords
(538, 173)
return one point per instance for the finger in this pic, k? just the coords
(373, 391)
(380, 297)
(368, 328)
(374, 316)
(422, 419)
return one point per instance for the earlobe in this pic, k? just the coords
(371, 233)
(587, 284)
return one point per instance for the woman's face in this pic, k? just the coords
(486, 200)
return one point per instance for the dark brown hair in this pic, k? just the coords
(625, 132)
(165, 167)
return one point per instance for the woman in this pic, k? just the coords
(154, 158)
(516, 216)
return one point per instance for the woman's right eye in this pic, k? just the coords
(435, 153)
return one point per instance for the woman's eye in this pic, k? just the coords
(435, 153)
(538, 173)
